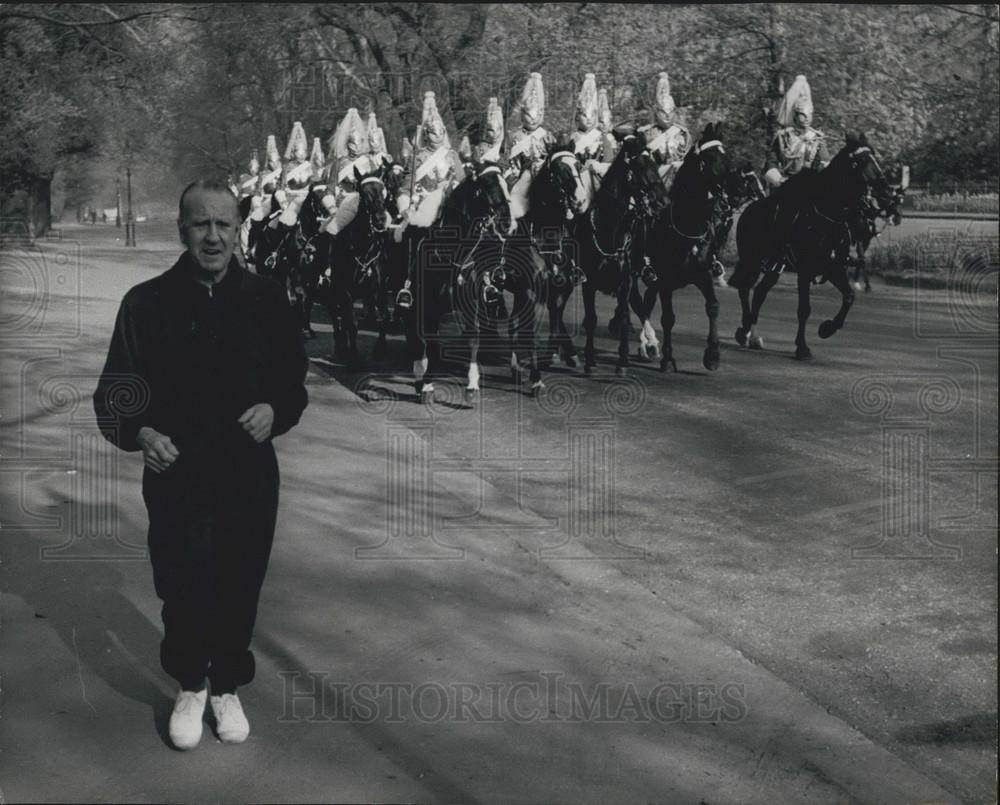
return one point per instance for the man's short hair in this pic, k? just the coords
(207, 185)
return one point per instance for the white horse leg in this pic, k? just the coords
(419, 370)
(649, 335)
(473, 384)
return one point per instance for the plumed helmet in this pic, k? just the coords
(493, 130)
(603, 112)
(664, 108)
(316, 158)
(465, 149)
(586, 104)
(298, 146)
(376, 137)
(350, 139)
(797, 99)
(273, 159)
(433, 131)
(532, 104)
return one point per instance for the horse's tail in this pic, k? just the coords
(752, 243)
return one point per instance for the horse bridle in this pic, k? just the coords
(570, 159)
(716, 188)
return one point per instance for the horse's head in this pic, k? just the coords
(559, 191)
(862, 174)
(712, 160)
(392, 177)
(371, 198)
(744, 185)
(489, 201)
(642, 176)
(705, 170)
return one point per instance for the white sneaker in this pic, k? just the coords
(230, 722)
(185, 721)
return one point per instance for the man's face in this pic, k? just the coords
(802, 119)
(208, 228)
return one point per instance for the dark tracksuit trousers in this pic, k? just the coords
(194, 360)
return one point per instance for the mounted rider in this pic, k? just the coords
(666, 138)
(797, 146)
(490, 144)
(432, 170)
(434, 167)
(349, 149)
(298, 169)
(247, 187)
(587, 139)
(797, 151)
(271, 178)
(529, 144)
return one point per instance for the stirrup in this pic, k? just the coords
(404, 299)
(491, 295)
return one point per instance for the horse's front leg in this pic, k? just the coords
(667, 320)
(802, 351)
(528, 335)
(589, 325)
(706, 284)
(838, 279)
(767, 282)
(743, 330)
(381, 314)
(622, 314)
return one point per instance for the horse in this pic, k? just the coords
(352, 262)
(273, 247)
(612, 236)
(546, 271)
(823, 204)
(453, 266)
(683, 238)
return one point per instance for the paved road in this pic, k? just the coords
(776, 582)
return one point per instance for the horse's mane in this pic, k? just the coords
(686, 177)
(614, 185)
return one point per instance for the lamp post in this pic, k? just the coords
(129, 218)
(118, 201)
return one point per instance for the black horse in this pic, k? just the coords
(823, 204)
(556, 197)
(612, 237)
(352, 263)
(453, 265)
(683, 238)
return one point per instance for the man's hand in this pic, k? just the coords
(257, 421)
(158, 452)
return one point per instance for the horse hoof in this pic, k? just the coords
(471, 395)
(711, 358)
(756, 342)
(614, 328)
(665, 362)
(803, 353)
(827, 328)
(515, 376)
(570, 361)
(427, 395)
(640, 355)
(588, 369)
(537, 388)
(741, 336)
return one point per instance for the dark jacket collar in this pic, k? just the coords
(184, 271)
